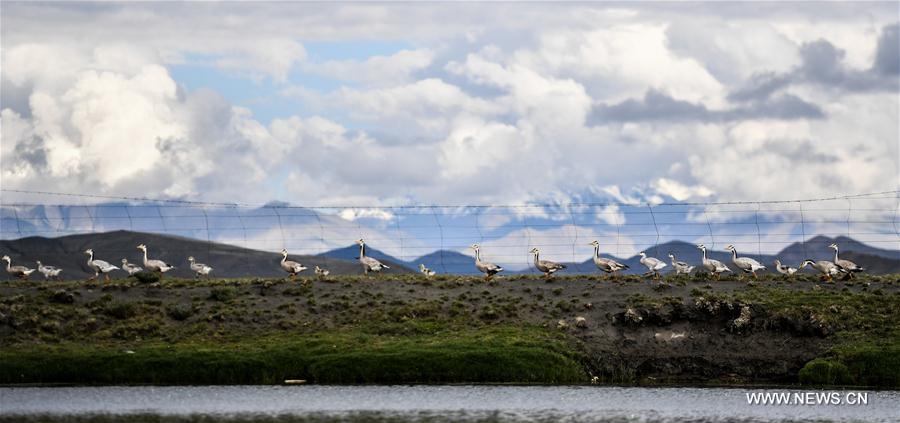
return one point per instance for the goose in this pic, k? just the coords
(17, 271)
(653, 264)
(49, 271)
(131, 268)
(321, 273)
(605, 264)
(369, 263)
(825, 267)
(199, 268)
(292, 267)
(99, 266)
(845, 266)
(680, 266)
(747, 264)
(712, 265)
(154, 265)
(784, 269)
(546, 266)
(426, 271)
(489, 269)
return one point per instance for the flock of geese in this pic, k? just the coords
(827, 269)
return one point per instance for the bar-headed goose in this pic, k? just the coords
(546, 266)
(653, 264)
(680, 266)
(828, 269)
(199, 268)
(99, 266)
(131, 268)
(605, 264)
(784, 269)
(489, 269)
(292, 267)
(746, 264)
(426, 271)
(49, 272)
(369, 264)
(154, 265)
(845, 266)
(20, 272)
(712, 265)
(321, 273)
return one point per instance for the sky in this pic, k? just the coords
(387, 104)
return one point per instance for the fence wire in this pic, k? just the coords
(440, 235)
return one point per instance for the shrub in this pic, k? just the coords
(825, 372)
(120, 310)
(488, 313)
(146, 277)
(62, 297)
(179, 312)
(223, 293)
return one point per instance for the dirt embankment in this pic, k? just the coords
(625, 331)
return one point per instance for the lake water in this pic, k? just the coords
(445, 403)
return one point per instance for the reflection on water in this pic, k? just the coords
(422, 403)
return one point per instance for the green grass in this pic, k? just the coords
(489, 355)
(865, 328)
(408, 329)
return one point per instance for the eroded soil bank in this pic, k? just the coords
(408, 329)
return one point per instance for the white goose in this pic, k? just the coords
(49, 271)
(747, 264)
(99, 266)
(154, 265)
(321, 273)
(680, 266)
(199, 268)
(369, 264)
(784, 269)
(131, 268)
(546, 266)
(426, 271)
(825, 267)
(292, 267)
(21, 272)
(712, 265)
(489, 269)
(605, 264)
(653, 264)
(845, 266)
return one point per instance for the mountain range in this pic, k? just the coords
(67, 252)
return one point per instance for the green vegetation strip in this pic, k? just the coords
(865, 327)
(489, 355)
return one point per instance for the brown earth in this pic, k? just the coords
(634, 330)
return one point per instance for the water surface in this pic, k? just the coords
(438, 403)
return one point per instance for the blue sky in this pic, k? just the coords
(361, 105)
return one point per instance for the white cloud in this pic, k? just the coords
(378, 70)
(359, 213)
(679, 191)
(490, 106)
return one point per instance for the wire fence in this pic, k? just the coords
(437, 235)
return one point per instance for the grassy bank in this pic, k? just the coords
(431, 355)
(408, 329)
(863, 327)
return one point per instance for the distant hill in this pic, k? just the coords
(232, 261)
(67, 252)
(446, 261)
(351, 254)
(875, 260)
(816, 248)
